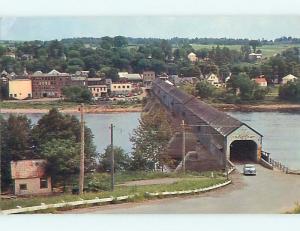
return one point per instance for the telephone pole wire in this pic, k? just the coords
(112, 160)
(183, 146)
(81, 174)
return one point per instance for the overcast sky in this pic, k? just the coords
(56, 19)
(251, 26)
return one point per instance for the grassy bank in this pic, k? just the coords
(63, 105)
(297, 209)
(186, 182)
(37, 105)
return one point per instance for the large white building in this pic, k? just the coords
(289, 78)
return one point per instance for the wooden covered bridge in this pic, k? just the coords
(219, 136)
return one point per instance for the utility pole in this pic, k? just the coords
(183, 146)
(112, 160)
(81, 174)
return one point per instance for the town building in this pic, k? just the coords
(148, 78)
(261, 81)
(78, 81)
(10, 54)
(20, 89)
(254, 56)
(289, 78)
(120, 88)
(213, 80)
(127, 77)
(192, 57)
(98, 90)
(49, 84)
(29, 177)
(94, 81)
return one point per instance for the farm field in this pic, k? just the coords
(267, 50)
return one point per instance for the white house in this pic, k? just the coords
(192, 57)
(289, 78)
(213, 79)
(255, 56)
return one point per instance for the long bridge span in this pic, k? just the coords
(222, 137)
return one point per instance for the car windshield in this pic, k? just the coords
(249, 166)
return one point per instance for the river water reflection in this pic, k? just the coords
(281, 131)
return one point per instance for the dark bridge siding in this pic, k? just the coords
(211, 126)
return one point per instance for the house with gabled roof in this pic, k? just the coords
(29, 177)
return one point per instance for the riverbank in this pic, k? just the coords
(72, 108)
(280, 107)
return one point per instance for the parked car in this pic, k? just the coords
(249, 169)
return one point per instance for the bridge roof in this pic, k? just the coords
(220, 121)
(180, 95)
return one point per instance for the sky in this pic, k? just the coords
(229, 26)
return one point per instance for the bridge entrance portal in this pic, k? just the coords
(243, 150)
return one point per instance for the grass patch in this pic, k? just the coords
(297, 209)
(188, 182)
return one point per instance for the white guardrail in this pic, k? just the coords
(106, 200)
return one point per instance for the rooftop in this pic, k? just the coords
(24, 169)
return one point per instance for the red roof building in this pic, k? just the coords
(30, 178)
(261, 81)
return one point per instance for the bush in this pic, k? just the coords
(205, 89)
(290, 91)
(260, 93)
(77, 94)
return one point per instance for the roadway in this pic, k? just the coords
(267, 192)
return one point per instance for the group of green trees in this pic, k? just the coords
(55, 138)
(290, 91)
(149, 141)
(239, 88)
(108, 55)
(77, 94)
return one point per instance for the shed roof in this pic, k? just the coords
(24, 169)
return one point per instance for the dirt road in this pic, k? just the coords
(268, 192)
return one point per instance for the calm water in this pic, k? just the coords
(99, 124)
(281, 131)
(281, 134)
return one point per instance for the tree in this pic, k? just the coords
(77, 94)
(110, 73)
(16, 144)
(63, 160)
(254, 44)
(243, 84)
(122, 159)
(120, 41)
(290, 91)
(55, 125)
(3, 91)
(55, 49)
(92, 73)
(150, 140)
(205, 89)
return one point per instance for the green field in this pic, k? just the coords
(267, 50)
(189, 181)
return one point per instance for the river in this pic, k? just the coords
(281, 131)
